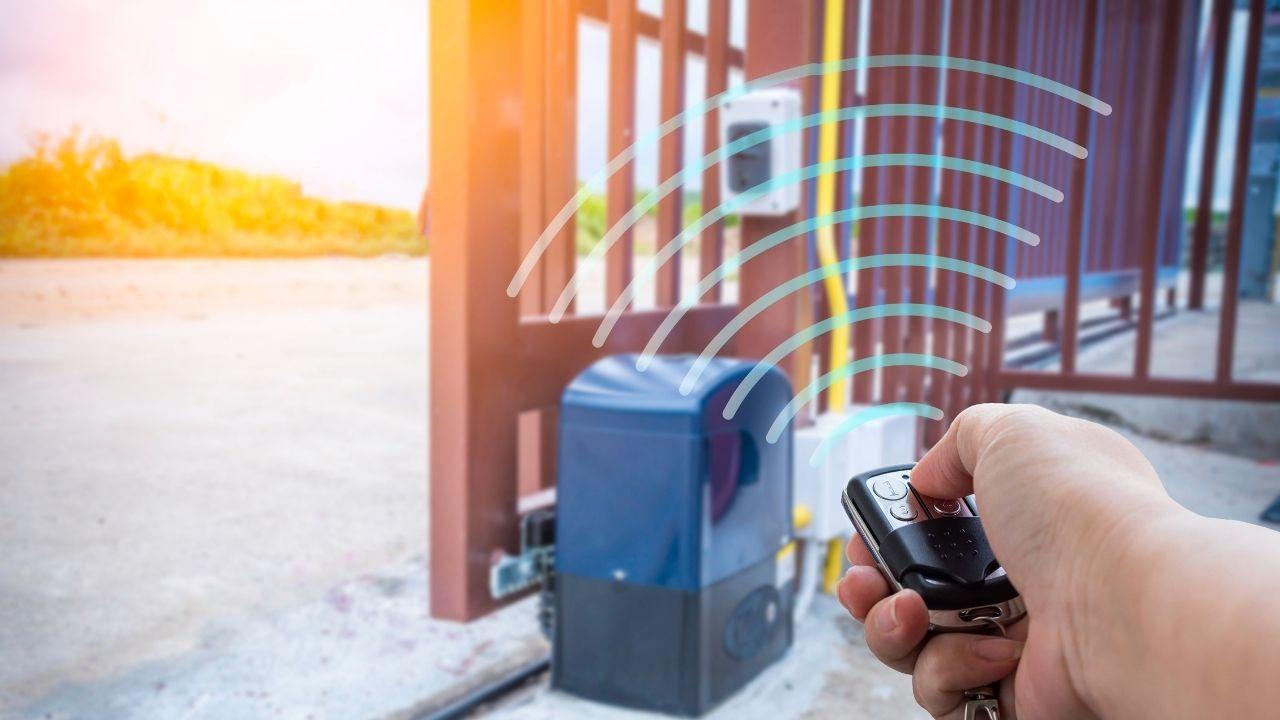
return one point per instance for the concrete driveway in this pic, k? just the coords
(214, 491)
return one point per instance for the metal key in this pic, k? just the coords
(981, 704)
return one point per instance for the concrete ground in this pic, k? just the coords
(191, 445)
(1183, 348)
(214, 494)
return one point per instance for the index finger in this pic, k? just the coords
(946, 471)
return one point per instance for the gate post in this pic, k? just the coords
(475, 175)
(779, 36)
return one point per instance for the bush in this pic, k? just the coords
(83, 197)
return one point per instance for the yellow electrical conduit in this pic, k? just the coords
(833, 284)
(837, 299)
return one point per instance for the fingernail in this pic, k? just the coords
(887, 621)
(997, 649)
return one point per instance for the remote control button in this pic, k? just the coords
(903, 511)
(889, 489)
(947, 507)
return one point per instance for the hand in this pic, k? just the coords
(1058, 498)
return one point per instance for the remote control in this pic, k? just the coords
(934, 546)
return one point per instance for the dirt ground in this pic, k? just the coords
(188, 442)
(43, 292)
(214, 484)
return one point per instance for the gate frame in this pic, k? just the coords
(503, 161)
(495, 360)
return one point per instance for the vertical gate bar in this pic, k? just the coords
(778, 37)
(1172, 207)
(981, 141)
(1076, 196)
(475, 141)
(671, 148)
(954, 187)
(533, 146)
(870, 233)
(622, 123)
(975, 142)
(991, 348)
(930, 26)
(711, 242)
(895, 228)
(1239, 192)
(561, 166)
(1221, 31)
(983, 242)
(1166, 51)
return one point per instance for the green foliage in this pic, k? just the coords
(1218, 218)
(592, 223)
(73, 197)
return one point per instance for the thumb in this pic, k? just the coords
(946, 471)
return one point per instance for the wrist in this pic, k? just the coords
(1133, 637)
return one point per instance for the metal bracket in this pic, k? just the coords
(511, 574)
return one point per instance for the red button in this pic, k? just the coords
(947, 507)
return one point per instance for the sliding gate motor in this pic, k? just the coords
(673, 528)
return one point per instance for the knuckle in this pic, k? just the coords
(917, 692)
(932, 665)
(924, 689)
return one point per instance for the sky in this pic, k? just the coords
(1227, 136)
(332, 93)
(328, 92)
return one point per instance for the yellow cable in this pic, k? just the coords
(834, 565)
(832, 49)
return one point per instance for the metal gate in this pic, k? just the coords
(503, 163)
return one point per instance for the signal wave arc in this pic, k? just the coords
(849, 215)
(789, 345)
(744, 316)
(933, 362)
(861, 418)
(802, 71)
(808, 172)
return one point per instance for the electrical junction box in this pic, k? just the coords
(879, 443)
(674, 580)
(776, 113)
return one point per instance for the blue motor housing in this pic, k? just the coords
(672, 585)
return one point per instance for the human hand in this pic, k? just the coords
(1059, 498)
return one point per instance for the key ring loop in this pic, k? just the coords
(998, 627)
(981, 703)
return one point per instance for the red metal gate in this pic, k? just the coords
(503, 139)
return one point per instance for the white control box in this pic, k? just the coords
(757, 175)
(872, 445)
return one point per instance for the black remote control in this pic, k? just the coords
(935, 547)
